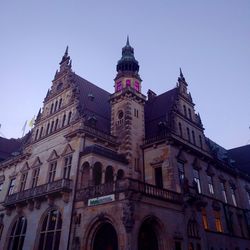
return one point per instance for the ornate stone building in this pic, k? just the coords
(125, 171)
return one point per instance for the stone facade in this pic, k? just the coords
(103, 171)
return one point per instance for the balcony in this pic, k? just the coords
(125, 185)
(39, 192)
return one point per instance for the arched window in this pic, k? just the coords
(41, 132)
(56, 124)
(47, 131)
(51, 231)
(60, 103)
(97, 173)
(120, 174)
(51, 108)
(37, 131)
(64, 119)
(69, 117)
(109, 177)
(56, 106)
(17, 234)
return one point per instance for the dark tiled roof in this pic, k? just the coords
(99, 150)
(241, 157)
(157, 110)
(94, 102)
(8, 146)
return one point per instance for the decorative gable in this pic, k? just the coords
(53, 156)
(25, 167)
(37, 162)
(67, 150)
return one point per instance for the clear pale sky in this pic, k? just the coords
(209, 40)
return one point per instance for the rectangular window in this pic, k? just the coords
(210, 184)
(197, 180)
(52, 171)
(23, 181)
(204, 218)
(67, 167)
(35, 177)
(223, 190)
(188, 134)
(193, 137)
(218, 224)
(119, 86)
(12, 186)
(200, 139)
(181, 172)
(233, 196)
(158, 177)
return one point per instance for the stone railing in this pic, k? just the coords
(128, 184)
(62, 185)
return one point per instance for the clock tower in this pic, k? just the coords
(127, 110)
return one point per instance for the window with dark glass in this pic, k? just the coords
(200, 139)
(47, 131)
(52, 171)
(69, 117)
(56, 124)
(37, 131)
(52, 127)
(181, 172)
(109, 175)
(180, 129)
(158, 177)
(197, 180)
(56, 106)
(67, 167)
(188, 134)
(12, 186)
(97, 173)
(210, 184)
(51, 108)
(23, 181)
(51, 231)
(35, 176)
(190, 114)
(17, 235)
(41, 132)
(60, 103)
(185, 110)
(63, 120)
(193, 137)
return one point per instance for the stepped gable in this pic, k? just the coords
(94, 103)
(241, 157)
(157, 110)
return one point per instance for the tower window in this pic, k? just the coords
(136, 113)
(137, 86)
(128, 82)
(119, 86)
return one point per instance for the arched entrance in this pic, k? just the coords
(147, 238)
(105, 238)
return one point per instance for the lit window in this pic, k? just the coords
(197, 180)
(12, 186)
(17, 234)
(51, 231)
(67, 167)
(210, 184)
(204, 218)
(223, 190)
(52, 172)
(218, 224)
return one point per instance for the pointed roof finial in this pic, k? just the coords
(127, 43)
(181, 75)
(66, 51)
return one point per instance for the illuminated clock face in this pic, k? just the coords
(120, 114)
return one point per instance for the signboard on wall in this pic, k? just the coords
(101, 200)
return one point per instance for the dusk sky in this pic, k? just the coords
(209, 40)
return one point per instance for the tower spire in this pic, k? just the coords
(66, 61)
(127, 43)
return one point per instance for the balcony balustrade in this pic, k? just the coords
(55, 187)
(128, 184)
